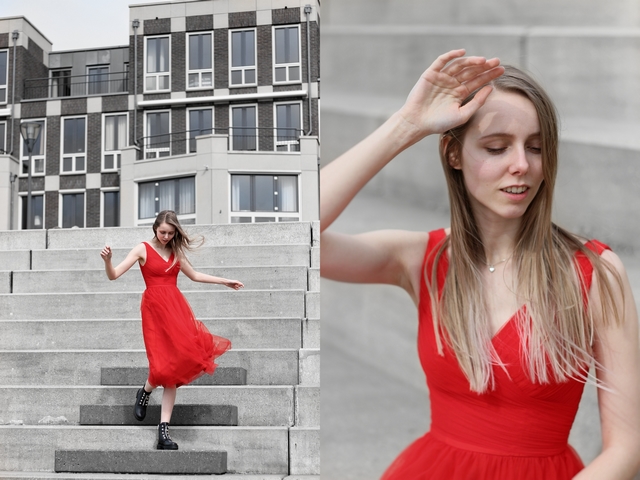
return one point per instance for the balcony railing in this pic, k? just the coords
(99, 83)
(245, 139)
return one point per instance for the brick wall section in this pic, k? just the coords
(221, 58)
(110, 180)
(51, 209)
(200, 93)
(265, 67)
(33, 110)
(239, 91)
(287, 88)
(29, 65)
(37, 184)
(157, 26)
(94, 143)
(141, 132)
(115, 103)
(140, 62)
(221, 118)
(314, 115)
(265, 126)
(199, 22)
(157, 96)
(70, 182)
(178, 62)
(178, 127)
(74, 106)
(52, 166)
(242, 19)
(92, 206)
(315, 50)
(282, 16)
(4, 40)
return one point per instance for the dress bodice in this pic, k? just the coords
(517, 417)
(157, 271)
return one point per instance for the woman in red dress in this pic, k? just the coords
(513, 310)
(179, 347)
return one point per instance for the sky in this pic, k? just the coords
(76, 24)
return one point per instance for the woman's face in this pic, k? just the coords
(501, 159)
(165, 233)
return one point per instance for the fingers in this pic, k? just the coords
(484, 78)
(476, 102)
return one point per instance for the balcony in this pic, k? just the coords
(245, 139)
(61, 85)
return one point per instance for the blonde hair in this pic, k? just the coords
(181, 242)
(556, 329)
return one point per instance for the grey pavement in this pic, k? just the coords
(374, 400)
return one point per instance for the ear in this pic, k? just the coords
(452, 153)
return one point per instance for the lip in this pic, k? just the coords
(516, 196)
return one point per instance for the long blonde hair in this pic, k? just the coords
(556, 329)
(181, 242)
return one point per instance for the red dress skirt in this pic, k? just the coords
(518, 430)
(179, 347)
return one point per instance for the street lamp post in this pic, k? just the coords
(30, 132)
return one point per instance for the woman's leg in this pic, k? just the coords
(168, 400)
(147, 386)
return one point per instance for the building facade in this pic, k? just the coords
(211, 110)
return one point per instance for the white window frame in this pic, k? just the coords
(136, 204)
(156, 75)
(199, 72)
(276, 215)
(288, 143)
(286, 65)
(74, 170)
(248, 67)
(146, 134)
(24, 156)
(5, 87)
(231, 127)
(104, 190)
(67, 192)
(213, 124)
(108, 87)
(117, 153)
(23, 200)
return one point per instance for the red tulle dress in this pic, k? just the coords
(519, 430)
(179, 347)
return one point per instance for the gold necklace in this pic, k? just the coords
(492, 267)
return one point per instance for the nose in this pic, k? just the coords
(519, 163)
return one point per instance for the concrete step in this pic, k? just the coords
(229, 303)
(5, 282)
(214, 235)
(137, 376)
(183, 415)
(82, 367)
(76, 281)
(127, 334)
(257, 405)
(307, 406)
(617, 13)
(249, 449)
(132, 476)
(15, 259)
(23, 239)
(304, 450)
(241, 255)
(113, 461)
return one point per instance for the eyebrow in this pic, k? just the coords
(504, 135)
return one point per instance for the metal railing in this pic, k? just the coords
(240, 139)
(61, 86)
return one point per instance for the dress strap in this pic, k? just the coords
(585, 268)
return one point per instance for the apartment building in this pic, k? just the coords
(211, 110)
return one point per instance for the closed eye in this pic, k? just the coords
(496, 151)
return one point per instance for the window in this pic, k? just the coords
(60, 83)
(200, 123)
(264, 198)
(243, 57)
(37, 154)
(3, 136)
(177, 194)
(73, 145)
(157, 64)
(4, 74)
(111, 208)
(72, 210)
(37, 207)
(158, 142)
(200, 67)
(243, 128)
(97, 80)
(286, 52)
(288, 127)
(115, 139)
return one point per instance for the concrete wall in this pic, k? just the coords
(8, 168)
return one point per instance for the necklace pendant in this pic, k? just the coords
(492, 268)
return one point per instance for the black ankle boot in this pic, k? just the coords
(164, 440)
(140, 408)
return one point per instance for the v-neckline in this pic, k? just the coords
(158, 253)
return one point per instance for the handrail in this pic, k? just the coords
(76, 85)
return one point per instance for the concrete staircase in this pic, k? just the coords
(73, 358)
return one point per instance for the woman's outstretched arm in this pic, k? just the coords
(189, 271)
(618, 353)
(432, 107)
(137, 253)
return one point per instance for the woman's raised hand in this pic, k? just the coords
(434, 104)
(106, 253)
